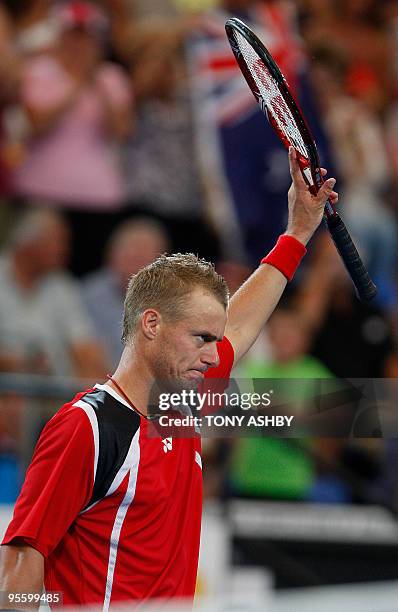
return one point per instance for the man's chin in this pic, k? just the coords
(177, 385)
(162, 391)
(185, 384)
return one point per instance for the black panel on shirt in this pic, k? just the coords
(117, 425)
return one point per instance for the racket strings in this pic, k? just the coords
(271, 101)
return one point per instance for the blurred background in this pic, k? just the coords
(127, 130)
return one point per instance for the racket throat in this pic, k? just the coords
(330, 211)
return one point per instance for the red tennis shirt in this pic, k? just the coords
(115, 513)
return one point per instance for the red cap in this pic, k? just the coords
(84, 15)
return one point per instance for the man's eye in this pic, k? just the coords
(205, 338)
(202, 338)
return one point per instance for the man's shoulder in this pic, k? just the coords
(68, 425)
(96, 411)
(115, 429)
(117, 422)
(67, 411)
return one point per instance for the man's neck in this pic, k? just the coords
(135, 379)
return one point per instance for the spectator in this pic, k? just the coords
(34, 30)
(9, 76)
(352, 338)
(356, 134)
(133, 245)
(235, 274)
(289, 335)
(160, 159)
(79, 108)
(43, 325)
(147, 8)
(360, 36)
(273, 467)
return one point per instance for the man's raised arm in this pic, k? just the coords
(254, 302)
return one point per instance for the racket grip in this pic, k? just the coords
(364, 286)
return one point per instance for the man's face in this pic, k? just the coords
(184, 350)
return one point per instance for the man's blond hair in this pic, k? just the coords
(165, 284)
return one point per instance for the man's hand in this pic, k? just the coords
(305, 209)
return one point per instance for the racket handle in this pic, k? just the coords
(364, 286)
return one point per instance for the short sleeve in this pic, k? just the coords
(217, 379)
(226, 355)
(58, 483)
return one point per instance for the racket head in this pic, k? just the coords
(272, 92)
(273, 95)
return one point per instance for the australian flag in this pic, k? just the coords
(243, 161)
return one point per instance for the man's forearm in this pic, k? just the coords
(251, 306)
(21, 571)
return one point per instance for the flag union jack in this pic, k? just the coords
(217, 79)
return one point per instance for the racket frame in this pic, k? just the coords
(310, 168)
(313, 178)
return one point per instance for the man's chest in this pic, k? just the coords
(169, 468)
(161, 489)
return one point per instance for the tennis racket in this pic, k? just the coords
(271, 91)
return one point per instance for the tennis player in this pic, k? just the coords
(108, 514)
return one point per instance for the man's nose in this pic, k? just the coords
(210, 356)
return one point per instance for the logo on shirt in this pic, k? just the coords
(167, 444)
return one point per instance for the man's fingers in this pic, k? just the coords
(295, 171)
(326, 191)
(333, 196)
(330, 183)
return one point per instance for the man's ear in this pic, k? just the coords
(150, 322)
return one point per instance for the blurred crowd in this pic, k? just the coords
(127, 131)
